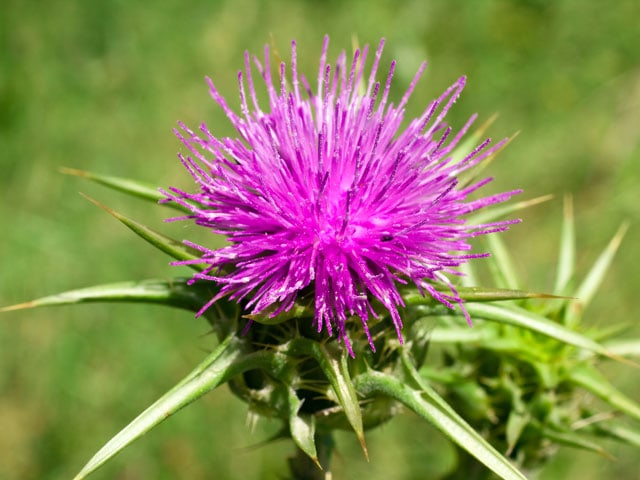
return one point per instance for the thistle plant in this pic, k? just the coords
(346, 292)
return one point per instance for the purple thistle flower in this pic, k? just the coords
(326, 190)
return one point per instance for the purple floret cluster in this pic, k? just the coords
(327, 192)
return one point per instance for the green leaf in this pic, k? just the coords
(134, 188)
(519, 415)
(594, 278)
(425, 402)
(166, 244)
(171, 293)
(231, 358)
(496, 213)
(472, 294)
(302, 428)
(596, 275)
(567, 256)
(298, 310)
(470, 176)
(410, 297)
(518, 419)
(216, 369)
(517, 347)
(502, 266)
(575, 440)
(522, 318)
(629, 347)
(465, 334)
(333, 362)
(469, 277)
(472, 400)
(471, 141)
(590, 379)
(617, 431)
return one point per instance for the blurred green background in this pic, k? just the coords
(99, 86)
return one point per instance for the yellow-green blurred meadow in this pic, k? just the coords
(99, 86)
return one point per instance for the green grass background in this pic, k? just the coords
(99, 86)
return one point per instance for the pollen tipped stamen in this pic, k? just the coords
(357, 93)
(374, 67)
(323, 61)
(387, 87)
(252, 90)
(412, 85)
(294, 71)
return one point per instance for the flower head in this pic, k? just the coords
(326, 191)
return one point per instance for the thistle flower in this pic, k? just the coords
(327, 192)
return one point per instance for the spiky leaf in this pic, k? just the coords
(168, 245)
(522, 318)
(567, 255)
(333, 362)
(213, 371)
(590, 379)
(426, 403)
(131, 187)
(174, 292)
(302, 428)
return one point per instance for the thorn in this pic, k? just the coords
(355, 44)
(621, 359)
(74, 171)
(488, 160)
(535, 201)
(363, 445)
(568, 206)
(510, 139)
(593, 419)
(617, 238)
(550, 296)
(19, 306)
(479, 133)
(110, 211)
(274, 48)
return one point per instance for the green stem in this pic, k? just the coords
(303, 468)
